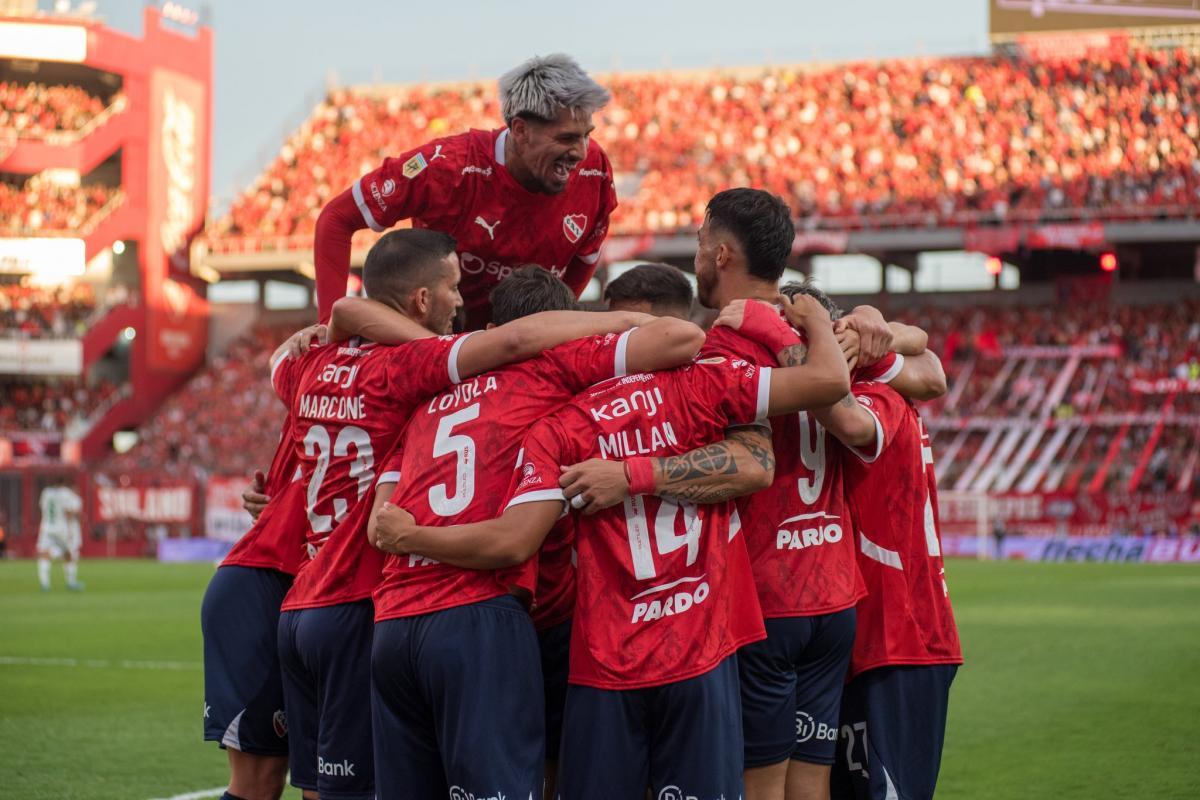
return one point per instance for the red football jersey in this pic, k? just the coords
(276, 539)
(798, 529)
(554, 597)
(461, 186)
(664, 590)
(906, 616)
(349, 403)
(460, 448)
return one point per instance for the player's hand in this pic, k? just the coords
(253, 499)
(848, 340)
(759, 321)
(875, 337)
(394, 528)
(594, 485)
(804, 311)
(302, 340)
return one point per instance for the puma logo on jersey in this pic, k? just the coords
(491, 229)
(437, 153)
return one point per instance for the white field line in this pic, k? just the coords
(200, 795)
(98, 663)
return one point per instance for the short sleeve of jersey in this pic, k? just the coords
(740, 389)
(887, 407)
(884, 370)
(417, 183)
(285, 372)
(584, 362)
(589, 249)
(536, 477)
(424, 367)
(389, 471)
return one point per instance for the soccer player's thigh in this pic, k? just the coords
(696, 736)
(893, 728)
(243, 688)
(606, 744)
(820, 679)
(555, 646)
(408, 762)
(299, 701)
(340, 637)
(767, 679)
(483, 669)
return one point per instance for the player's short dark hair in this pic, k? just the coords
(793, 288)
(762, 225)
(529, 290)
(402, 261)
(663, 286)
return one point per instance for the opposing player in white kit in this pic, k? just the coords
(59, 535)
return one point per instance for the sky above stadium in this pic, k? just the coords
(274, 59)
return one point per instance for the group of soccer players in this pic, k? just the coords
(581, 554)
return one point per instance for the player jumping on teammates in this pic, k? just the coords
(536, 191)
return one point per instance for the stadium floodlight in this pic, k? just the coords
(1108, 262)
(993, 265)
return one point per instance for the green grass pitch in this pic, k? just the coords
(1082, 681)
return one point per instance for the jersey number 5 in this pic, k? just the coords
(462, 446)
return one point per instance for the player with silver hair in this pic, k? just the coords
(548, 103)
(536, 191)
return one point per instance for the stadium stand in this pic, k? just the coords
(40, 206)
(51, 405)
(927, 141)
(35, 109)
(225, 420)
(53, 312)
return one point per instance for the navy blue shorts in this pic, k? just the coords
(243, 691)
(555, 646)
(325, 655)
(456, 703)
(681, 739)
(893, 727)
(792, 688)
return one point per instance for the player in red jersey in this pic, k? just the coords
(537, 191)
(808, 583)
(665, 594)
(243, 690)
(349, 403)
(906, 651)
(440, 726)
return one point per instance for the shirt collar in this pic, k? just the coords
(500, 140)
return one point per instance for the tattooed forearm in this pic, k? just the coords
(793, 356)
(717, 472)
(758, 444)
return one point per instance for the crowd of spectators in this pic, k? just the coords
(225, 421)
(36, 109)
(41, 205)
(51, 405)
(872, 143)
(52, 312)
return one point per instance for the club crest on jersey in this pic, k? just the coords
(573, 226)
(414, 166)
(279, 721)
(389, 186)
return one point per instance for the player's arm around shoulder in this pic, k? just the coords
(662, 344)
(527, 337)
(374, 321)
(506, 541)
